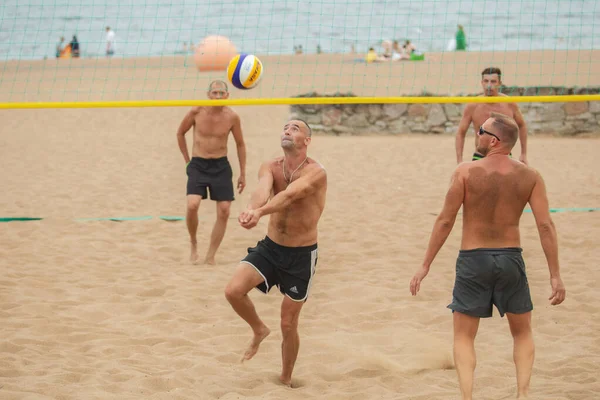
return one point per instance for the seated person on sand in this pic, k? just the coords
(399, 53)
(387, 51)
(396, 52)
(409, 48)
(371, 55)
(387, 54)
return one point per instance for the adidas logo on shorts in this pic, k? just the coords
(293, 289)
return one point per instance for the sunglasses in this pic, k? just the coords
(482, 131)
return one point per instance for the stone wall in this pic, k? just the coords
(566, 119)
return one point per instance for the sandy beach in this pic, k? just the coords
(114, 310)
(176, 77)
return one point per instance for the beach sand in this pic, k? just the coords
(113, 310)
(176, 78)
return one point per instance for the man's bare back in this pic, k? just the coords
(211, 131)
(296, 225)
(490, 271)
(497, 190)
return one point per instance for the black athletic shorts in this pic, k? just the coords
(486, 277)
(214, 174)
(289, 268)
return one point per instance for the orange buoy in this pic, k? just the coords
(214, 53)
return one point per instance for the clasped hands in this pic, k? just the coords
(249, 218)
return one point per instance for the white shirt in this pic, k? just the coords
(110, 40)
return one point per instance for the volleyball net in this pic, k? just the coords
(134, 53)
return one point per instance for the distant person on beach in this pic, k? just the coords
(59, 47)
(188, 48)
(291, 191)
(387, 50)
(371, 56)
(396, 51)
(478, 113)
(490, 270)
(461, 39)
(110, 42)
(75, 47)
(399, 53)
(409, 48)
(209, 170)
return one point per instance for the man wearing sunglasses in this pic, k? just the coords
(209, 170)
(477, 113)
(490, 270)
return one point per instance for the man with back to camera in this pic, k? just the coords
(478, 113)
(209, 169)
(490, 269)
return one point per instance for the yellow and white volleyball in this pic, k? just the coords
(244, 71)
(213, 53)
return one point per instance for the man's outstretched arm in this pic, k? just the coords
(518, 117)
(187, 124)
(461, 132)
(306, 185)
(445, 221)
(265, 186)
(442, 227)
(241, 150)
(300, 188)
(548, 238)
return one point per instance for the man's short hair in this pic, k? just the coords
(506, 127)
(305, 123)
(492, 71)
(210, 86)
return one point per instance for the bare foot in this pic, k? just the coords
(210, 261)
(255, 344)
(286, 381)
(194, 253)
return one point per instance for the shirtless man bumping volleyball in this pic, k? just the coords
(209, 170)
(478, 113)
(490, 270)
(292, 190)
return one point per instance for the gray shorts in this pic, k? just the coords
(486, 277)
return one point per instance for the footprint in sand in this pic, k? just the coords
(152, 293)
